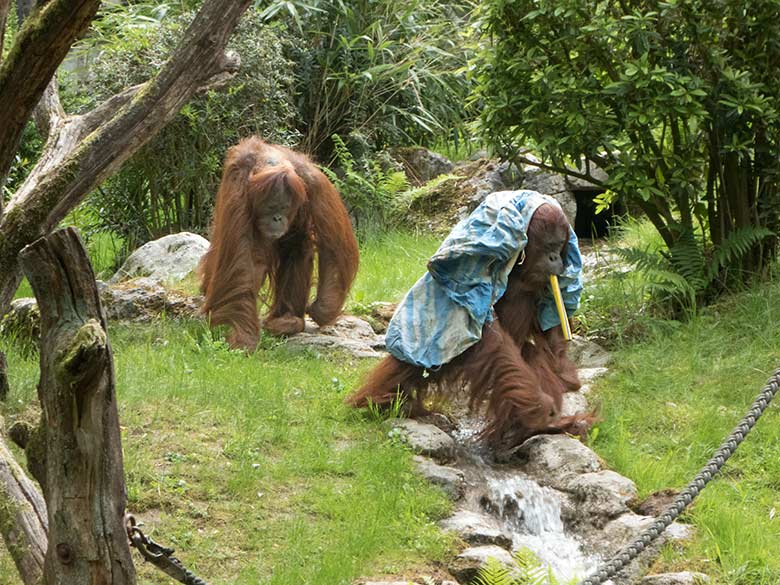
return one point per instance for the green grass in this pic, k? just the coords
(254, 470)
(252, 467)
(669, 403)
(390, 264)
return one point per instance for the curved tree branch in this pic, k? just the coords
(87, 149)
(38, 50)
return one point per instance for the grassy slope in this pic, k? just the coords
(251, 467)
(671, 401)
(248, 464)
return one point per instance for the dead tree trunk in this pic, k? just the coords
(22, 518)
(76, 452)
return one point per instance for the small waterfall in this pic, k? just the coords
(532, 515)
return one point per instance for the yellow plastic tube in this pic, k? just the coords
(556, 290)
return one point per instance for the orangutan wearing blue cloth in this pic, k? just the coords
(484, 315)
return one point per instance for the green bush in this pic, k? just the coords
(369, 191)
(387, 71)
(677, 101)
(170, 184)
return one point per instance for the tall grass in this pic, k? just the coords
(672, 399)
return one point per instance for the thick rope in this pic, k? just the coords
(685, 497)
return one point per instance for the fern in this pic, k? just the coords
(528, 571)
(494, 572)
(368, 191)
(662, 279)
(735, 246)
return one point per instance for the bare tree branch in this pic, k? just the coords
(77, 157)
(561, 169)
(40, 47)
(23, 519)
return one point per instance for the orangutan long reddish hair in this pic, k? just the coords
(518, 372)
(273, 208)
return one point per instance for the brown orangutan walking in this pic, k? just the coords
(274, 209)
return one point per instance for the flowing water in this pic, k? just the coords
(530, 513)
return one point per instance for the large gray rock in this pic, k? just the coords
(602, 495)
(553, 459)
(350, 334)
(450, 479)
(468, 563)
(684, 578)
(489, 180)
(421, 165)
(554, 185)
(478, 529)
(168, 259)
(425, 439)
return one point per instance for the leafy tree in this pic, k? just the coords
(80, 151)
(676, 100)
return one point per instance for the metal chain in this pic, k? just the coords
(685, 497)
(160, 556)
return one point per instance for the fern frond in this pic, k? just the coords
(735, 246)
(494, 572)
(687, 258)
(530, 569)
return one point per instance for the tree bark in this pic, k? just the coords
(5, 6)
(79, 448)
(41, 45)
(23, 519)
(85, 150)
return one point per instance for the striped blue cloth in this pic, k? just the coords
(442, 315)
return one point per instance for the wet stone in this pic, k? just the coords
(477, 529)
(553, 459)
(425, 439)
(466, 565)
(451, 480)
(602, 495)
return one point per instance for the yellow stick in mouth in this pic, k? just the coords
(556, 291)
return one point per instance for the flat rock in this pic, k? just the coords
(143, 299)
(683, 578)
(587, 354)
(466, 565)
(425, 439)
(587, 375)
(477, 529)
(351, 334)
(553, 459)
(451, 480)
(167, 259)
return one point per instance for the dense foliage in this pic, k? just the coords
(377, 72)
(170, 184)
(676, 100)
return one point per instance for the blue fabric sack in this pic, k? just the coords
(442, 315)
